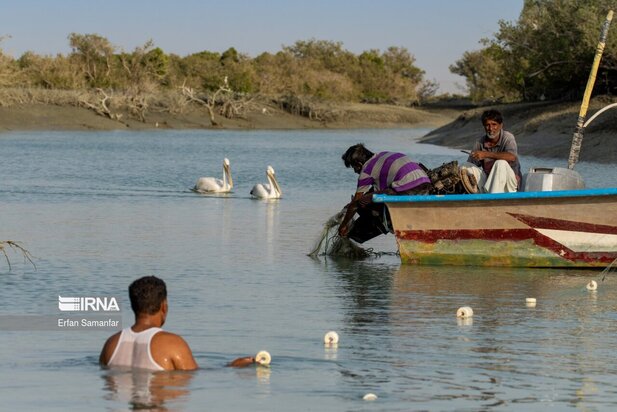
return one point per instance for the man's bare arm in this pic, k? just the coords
(343, 229)
(242, 362)
(183, 359)
(108, 349)
(172, 352)
(482, 154)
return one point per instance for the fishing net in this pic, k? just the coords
(331, 244)
(612, 267)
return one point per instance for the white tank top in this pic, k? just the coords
(133, 350)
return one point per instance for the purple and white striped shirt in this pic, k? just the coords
(390, 170)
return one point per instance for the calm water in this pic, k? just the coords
(98, 210)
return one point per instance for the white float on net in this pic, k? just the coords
(331, 338)
(263, 358)
(369, 397)
(464, 312)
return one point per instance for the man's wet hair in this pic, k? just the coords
(147, 295)
(356, 154)
(492, 114)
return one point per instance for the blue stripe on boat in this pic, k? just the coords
(495, 196)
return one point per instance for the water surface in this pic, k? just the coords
(99, 209)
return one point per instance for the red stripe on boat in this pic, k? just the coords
(558, 224)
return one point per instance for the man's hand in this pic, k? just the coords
(365, 200)
(478, 154)
(242, 362)
(343, 230)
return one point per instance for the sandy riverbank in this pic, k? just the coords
(53, 117)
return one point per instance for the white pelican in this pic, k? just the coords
(213, 185)
(270, 190)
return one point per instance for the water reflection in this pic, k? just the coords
(231, 260)
(331, 352)
(271, 226)
(518, 347)
(407, 334)
(464, 322)
(143, 390)
(366, 288)
(263, 376)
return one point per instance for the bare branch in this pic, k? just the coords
(102, 109)
(15, 245)
(189, 93)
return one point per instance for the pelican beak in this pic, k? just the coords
(276, 184)
(228, 173)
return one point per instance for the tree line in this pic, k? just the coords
(546, 54)
(112, 82)
(312, 68)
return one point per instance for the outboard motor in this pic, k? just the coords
(548, 179)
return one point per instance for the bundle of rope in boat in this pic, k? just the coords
(330, 243)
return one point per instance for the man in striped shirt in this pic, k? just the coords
(385, 172)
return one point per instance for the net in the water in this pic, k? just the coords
(612, 267)
(331, 244)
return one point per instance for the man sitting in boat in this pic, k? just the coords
(494, 158)
(385, 172)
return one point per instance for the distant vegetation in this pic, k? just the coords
(546, 54)
(98, 76)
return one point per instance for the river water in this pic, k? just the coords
(100, 209)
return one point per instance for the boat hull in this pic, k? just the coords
(574, 228)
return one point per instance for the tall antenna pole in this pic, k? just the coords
(577, 138)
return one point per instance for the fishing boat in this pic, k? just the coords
(563, 228)
(554, 222)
